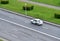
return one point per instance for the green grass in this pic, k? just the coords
(1, 40)
(51, 2)
(38, 12)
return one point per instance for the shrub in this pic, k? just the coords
(4, 1)
(57, 15)
(32, 7)
(28, 8)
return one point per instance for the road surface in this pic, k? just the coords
(12, 28)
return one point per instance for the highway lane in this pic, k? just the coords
(17, 33)
(46, 28)
(52, 30)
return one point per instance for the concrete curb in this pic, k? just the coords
(3, 39)
(57, 25)
(15, 13)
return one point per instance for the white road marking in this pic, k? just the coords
(30, 28)
(14, 35)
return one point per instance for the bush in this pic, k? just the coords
(57, 15)
(4, 1)
(28, 8)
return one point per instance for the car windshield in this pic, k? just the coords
(35, 20)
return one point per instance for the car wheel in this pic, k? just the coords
(39, 24)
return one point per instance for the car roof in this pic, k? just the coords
(36, 19)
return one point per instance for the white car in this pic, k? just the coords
(37, 22)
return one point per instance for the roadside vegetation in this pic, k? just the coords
(1, 40)
(37, 12)
(51, 2)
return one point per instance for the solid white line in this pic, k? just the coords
(30, 28)
(14, 35)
